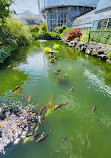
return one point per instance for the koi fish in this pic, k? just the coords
(27, 109)
(34, 84)
(50, 101)
(1, 124)
(38, 104)
(44, 107)
(28, 78)
(36, 135)
(15, 88)
(43, 115)
(21, 89)
(39, 119)
(29, 98)
(71, 89)
(58, 106)
(17, 91)
(42, 137)
(22, 96)
(94, 108)
(9, 66)
(15, 127)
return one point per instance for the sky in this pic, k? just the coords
(22, 5)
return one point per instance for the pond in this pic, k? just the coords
(76, 131)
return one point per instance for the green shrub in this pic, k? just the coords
(43, 30)
(109, 55)
(84, 37)
(60, 29)
(5, 52)
(35, 35)
(35, 28)
(63, 34)
(16, 30)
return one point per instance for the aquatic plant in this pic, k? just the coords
(56, 46)
(47, 49)
(61, 77)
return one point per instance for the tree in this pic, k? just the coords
(4, 12)
(5, 9)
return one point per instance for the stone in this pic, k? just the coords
(100, 51)
(83, 48)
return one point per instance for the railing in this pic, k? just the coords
(99, 36)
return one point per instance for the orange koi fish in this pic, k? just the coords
(50, 101)
(71, 89)
(38, 104)
(58, 106)
(29, 98)
(22, 96)
(27, 109)
(44, 107)
(15, 127)
(28, 78)
(34, 85)
(17, 91)
(9, 66)
(1, 124)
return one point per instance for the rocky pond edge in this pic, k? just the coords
(95, 49)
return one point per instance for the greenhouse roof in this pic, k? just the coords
(55, 3)
(84, 20)
(103, 4)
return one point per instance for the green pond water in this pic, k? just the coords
(88, 133)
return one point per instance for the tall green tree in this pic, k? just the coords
(5, 9)
(4, 12)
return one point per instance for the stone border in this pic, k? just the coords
(98, 50)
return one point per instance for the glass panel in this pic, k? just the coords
(109, 23)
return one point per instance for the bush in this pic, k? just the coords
(60, 29)
(109, 55)
(84, 37)
(4, 53)
(74, 33)
(43, 30)
(35, 35)
(35, 28)
(16, 30)
(63, 34)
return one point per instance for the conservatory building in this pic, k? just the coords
(99, 18)
(59, 12)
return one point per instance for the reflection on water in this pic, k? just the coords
(91, 79)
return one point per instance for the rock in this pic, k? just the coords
(83, 48)
(89, 50)
(102, 56)
(108, 61)
(100, 51)
(94, 53)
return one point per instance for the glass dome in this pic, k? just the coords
(103, 4)
(54, 3)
